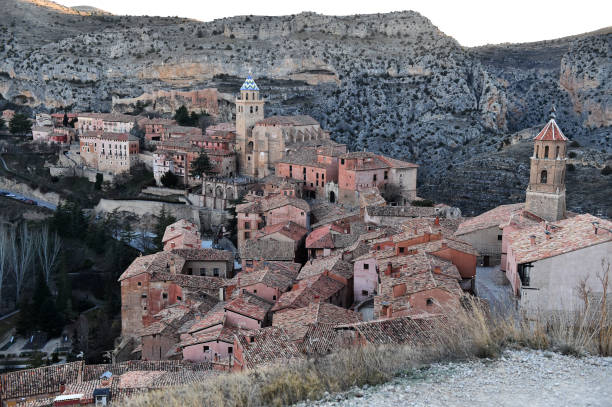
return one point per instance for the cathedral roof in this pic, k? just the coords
(249, 84)
(551, 132)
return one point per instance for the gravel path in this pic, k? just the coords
(518, 378)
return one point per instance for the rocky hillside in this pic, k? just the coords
(391, 83)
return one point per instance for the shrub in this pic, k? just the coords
(607, 170)
(571, 167)
(571, 154)
(574, 143)
(422, 202)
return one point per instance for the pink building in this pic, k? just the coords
(263, 211)
(155, 128)
(361, 171)
(366, 277)
(182, 234)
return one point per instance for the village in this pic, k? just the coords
(324, 249)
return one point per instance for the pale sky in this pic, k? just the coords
(471, 22)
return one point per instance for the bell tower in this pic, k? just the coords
(546, 191)
(249, 110)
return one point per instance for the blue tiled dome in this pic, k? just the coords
(249, 84)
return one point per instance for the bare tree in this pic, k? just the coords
(22, 250)
(4, 254)
(48, 246)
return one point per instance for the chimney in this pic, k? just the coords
(389, 312)
(548, 235)
(595, 226)
(295, 286)
(389, 269)
(317, 299)
(437, 270)
(444, 245)
(62, 387)
(532, 240)
(437, 221)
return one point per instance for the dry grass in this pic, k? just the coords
(472, 334)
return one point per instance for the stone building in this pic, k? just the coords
(546, 191)
(361, 171)
(154, 129)
(220, 193)
(105, 122)
(261, 143)
(551, 266)
(109, 152)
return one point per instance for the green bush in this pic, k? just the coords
(607, 170)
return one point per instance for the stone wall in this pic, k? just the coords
(142, 207)
(24, 189)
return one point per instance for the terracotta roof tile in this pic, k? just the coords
(402, 330)
(551, 132)
(334, 264)
(494, 217)
(265, 346)
(290, 229)
(564, 236)
(42, 380)
(296, 120)
(249, 305)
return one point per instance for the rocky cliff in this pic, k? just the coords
(391, 83)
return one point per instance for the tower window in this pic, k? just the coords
(247, 96)
(557, 153)
(546, 152)
(251, 109)
(537, 151)
(257, 108)
(544, 176)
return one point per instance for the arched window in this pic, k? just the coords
(247, 96)
(543, 177)
(251, 109)
(546, 152)
(557, 156)
(257, 110)
(537, 151)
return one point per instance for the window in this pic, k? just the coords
(364, 292)
(139, 284)
(190, 271)
(247, 96)
(546, 152)
(374, 178)
(402, 249)
(247, 225)
(543, 177)
(274, 298)
(537, 151)
(251, 109)
(216, 272)
(202, 271)
(165, 296)
(557, 153)
(230, 349)
(143, 296)
(430, 301)
(206, 348)
(386, 175)
(247, 235)
(342, 161)
(366, 266)
(179, 298)
(499, 237)
(254, 291)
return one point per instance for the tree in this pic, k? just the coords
(4, 253)
(201, 165)
(2, 123)
(48, 250)
(182, 116)
(169, 179)
(65, 121)
(20, 124)
(139, 133)
(164, 219)
(22, 248)
(99, 181)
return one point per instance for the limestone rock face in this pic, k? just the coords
(392, 83)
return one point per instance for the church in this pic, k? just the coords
(262, 142)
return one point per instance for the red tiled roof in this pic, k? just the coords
(178, 228)
(108, 136)
(216, 316)
(334, 264)
(297, 120)
(222, 333)
(307, 289)
(551, 132)
(204, 254)
(494, 217)
(564, 236)
(249, 305)
(296, 321)
(268, 277)
(321, 238)
(402, 330)
(153, 263)
(264, 204)
(42, 380)
(266, 345)
(290, 229)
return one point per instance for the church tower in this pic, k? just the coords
(546, 190)
(249, 110)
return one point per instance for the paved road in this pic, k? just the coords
(21, 197)
(492, 285)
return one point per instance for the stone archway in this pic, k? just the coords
(332, 197)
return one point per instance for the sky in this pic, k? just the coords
(471, 22)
